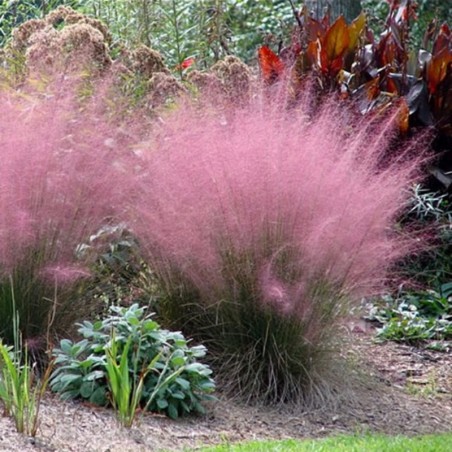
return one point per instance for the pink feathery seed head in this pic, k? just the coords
(62, 274)
(274, 291)
(256, 178)
(64, 171)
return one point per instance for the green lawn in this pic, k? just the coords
(367, 443)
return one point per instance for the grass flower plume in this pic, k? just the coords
(264, 225)
(61, 179)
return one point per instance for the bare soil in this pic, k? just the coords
(408, 391)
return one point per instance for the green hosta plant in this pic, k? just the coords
(128, 361)
(415, 317)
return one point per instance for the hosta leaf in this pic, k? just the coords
(199, 368)
(162, 404)
(198, 351)
(99, 396)
(178, 361)
(71, 394)
(150, 325)
(95, 375)
(178, 395)
(172, 411)
(68, 379)
(66, 346)
(183, 383)
(207, 385)
(86, 389)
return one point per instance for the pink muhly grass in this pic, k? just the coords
(259, 211)
(256, 180)
(61, 178)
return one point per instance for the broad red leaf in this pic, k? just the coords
(403, 118)
(326, 20)
(372, 88)
(312, 53)
(385, 52)
(391, 86)
(443, 41)
(355, 30)
(314, 29)
(437, 70)
(186, 63)
(336, 39)
(336, 65)
(271, 65)
(402, 14)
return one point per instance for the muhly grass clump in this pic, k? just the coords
(61, 179)
(265, 227)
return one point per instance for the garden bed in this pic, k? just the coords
(407, 390)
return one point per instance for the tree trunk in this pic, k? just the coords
(348, 8)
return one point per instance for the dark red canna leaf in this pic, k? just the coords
(270, 64)
(355, 30)
(437, 70)
(336, 39)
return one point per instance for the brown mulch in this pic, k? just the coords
(407, 390)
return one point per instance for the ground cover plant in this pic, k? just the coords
(414, 317)
(420, 309)
(128, 361)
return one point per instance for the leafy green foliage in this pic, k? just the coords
(431, 211)
(415, 316)
(426, 12)
(19, 392)
(119, 274)
(14, 13)
(160, 361)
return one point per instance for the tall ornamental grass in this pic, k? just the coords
(61, 179)
(265, 226)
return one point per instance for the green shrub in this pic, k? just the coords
(82, 371)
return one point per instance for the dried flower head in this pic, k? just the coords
(70, 17)
(146, 61)
(164, 88)
(235, 77)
